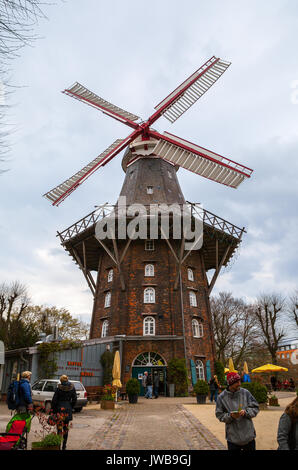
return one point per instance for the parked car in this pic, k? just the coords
(43, 392)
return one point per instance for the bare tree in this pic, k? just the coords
(292, 310)
(268, 313)
(17, 21)
(14, 300)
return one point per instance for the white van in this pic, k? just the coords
(43, 392)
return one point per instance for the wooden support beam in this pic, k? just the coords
(77, 258)
(217, 271)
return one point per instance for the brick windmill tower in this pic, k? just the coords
(151, 293)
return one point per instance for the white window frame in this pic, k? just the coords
(190, 275)
(149, 295)
(193, 299)
(110, 275)
(200, 369)
(149, 245)
(149, 270)
(197, 328)
(149, 326)
(149, 189)
(105, 329)
(108, 298)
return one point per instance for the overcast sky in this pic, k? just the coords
(134, 54)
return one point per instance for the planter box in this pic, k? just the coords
(107, 405)
(133, 398)
(44, 448)
(273, 402)
(201, 399)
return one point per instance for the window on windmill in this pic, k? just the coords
(149, 295)
(108, 299)
(149, 270)
(190, 275)
(105, 329)
(110, 275)
(200, 369)
(197, 328)
(149, 326)
(169, 174)
(149, 189)
(193, 299)
(149, 245)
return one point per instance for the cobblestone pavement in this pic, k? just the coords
(153, 424)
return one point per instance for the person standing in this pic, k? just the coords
(214, 388)
(149, 386)
(25, 403)
(144, 382)
(236, 407)
(273, 382)
(156, 385)
(287, 434)
(63, 402)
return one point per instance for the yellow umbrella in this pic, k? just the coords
(245, 368)
(231, 366)
(226, 370)
(270, 368)
(116, 372)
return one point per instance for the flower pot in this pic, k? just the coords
(133, 398)
(171, 390)
(201, 399)
(107, 404)
(273, 402)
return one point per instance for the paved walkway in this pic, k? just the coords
(154, 424)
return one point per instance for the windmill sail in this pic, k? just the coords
(81, 93)
(201, 161)
(183, 97)
(60, 192)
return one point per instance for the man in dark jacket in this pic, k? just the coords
(236, 407)
(63, 402)
(156, 384)
(25, 403)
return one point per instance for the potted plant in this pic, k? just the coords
(47, 438)
(201, 389)
(273, 400)
(50, 442)
(133, 390)
(108, 398)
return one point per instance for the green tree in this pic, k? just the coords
(177, 374)
(107, 360)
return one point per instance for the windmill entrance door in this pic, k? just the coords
(152, 363)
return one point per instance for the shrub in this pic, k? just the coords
(220, 372)
(107, 361)
(50, 440)
(177, 374)
(133, 387)
(201, 388)
(258, 391)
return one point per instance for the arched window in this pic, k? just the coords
(105, 329)
(149, 326)
(149, 270)
(108, 299)
(190, 275)
(192, 299)
(200, 370)
(197, 328)
(110, 275)
(149, 295)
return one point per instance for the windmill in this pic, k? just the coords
(146, 141)
(151, 297)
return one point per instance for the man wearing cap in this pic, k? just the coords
(25, 394)
(236, 407)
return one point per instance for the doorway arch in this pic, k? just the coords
(153, 363)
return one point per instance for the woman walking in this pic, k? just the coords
(287, 434)
(214, 388)
(63, 401)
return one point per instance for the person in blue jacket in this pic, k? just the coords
(25, 403)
